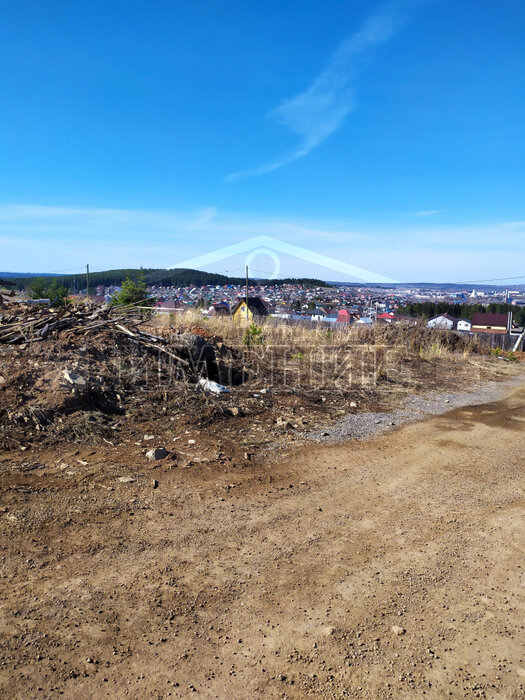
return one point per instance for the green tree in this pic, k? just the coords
(38, 289)
(133, 291)
(57, 294)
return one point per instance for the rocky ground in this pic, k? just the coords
(385, 568)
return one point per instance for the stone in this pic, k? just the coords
(126, 479)
(157, 453)
(353, 404)
(154, 484)
(75, 379)
(398, 630)
(148, 437)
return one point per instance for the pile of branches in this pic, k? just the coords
(31, 324)
(4, 294)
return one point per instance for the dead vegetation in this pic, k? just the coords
(99, 375)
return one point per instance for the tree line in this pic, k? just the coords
(428, 309)
(159, 278)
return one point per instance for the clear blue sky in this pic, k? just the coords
(390, 136)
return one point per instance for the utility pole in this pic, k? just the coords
(87, 283)
(246, 292)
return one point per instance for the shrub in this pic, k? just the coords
(252, 335)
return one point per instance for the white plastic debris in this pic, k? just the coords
(212, 387)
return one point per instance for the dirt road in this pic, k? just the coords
(384, 569)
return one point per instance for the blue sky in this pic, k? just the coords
(390, 136)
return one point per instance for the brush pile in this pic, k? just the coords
(5, 296)
(28, 324)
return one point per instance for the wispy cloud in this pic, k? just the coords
(56, 239)
(321, 109)
(427, 212)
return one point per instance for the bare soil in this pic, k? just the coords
(390, 568)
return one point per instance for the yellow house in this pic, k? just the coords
(247, 312)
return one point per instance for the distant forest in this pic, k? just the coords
(428, 309)
(163, 278)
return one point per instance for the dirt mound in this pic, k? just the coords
(73, 386)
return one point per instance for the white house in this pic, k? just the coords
(445, 322)
(464, 325)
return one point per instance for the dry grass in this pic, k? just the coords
(316, 356)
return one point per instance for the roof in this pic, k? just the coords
(446, 316)
(480, 319)
(255, 304)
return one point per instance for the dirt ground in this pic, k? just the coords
(390, 568)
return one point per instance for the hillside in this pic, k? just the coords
(158, 277)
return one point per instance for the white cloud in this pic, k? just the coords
(427, 212)
(321, 109)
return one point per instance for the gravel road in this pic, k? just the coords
(365, 425)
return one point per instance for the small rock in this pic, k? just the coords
(328, 631)
(247, 455)
(148, 437)
(2, 380)
(192, 442)
(126, 479)
(157, 453)
(75, 379)
(353, 404)
(154, 484)
(398, 630)
(233, 410)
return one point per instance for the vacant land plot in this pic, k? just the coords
(387, 568)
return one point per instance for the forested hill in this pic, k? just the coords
(163, 278)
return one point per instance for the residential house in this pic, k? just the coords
(316, 314)
(494, 324)
(445, 322)
(248, 312)
(219, 309)
(464, 325)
